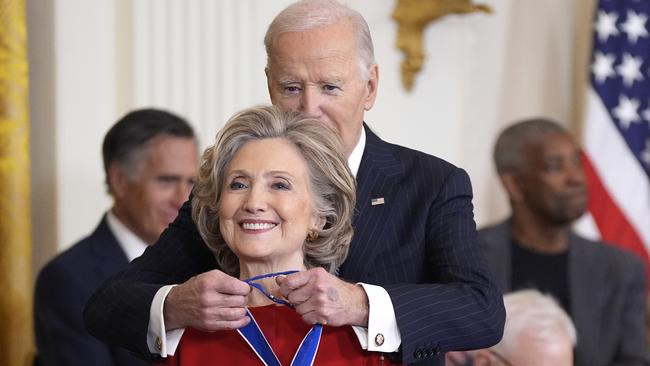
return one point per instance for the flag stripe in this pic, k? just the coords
(617, 169)
(617, 129)
(612, 223)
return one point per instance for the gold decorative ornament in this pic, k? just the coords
(412, 17)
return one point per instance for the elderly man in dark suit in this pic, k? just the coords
(150, 160)
(601, 287)
(418, 283)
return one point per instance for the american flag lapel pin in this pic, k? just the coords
(377, 201)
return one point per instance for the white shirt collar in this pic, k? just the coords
(354, 161)
(130, 243)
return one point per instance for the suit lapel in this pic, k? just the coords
(378, 178)
(110, 257)
(585, 280)
(499, 241)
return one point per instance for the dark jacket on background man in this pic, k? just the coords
(607, 290)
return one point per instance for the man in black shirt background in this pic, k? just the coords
(601, 287)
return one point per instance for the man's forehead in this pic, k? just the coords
(287, 77)
(547, 141)
(336, 40)
(169, 150)
(322, 69)
(549, 147)
(557, 142)
(321, 53)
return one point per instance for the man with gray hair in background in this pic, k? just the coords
(538, 332)
(415, 283)
(600, 286)
(150, 161)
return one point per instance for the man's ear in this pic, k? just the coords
(117, 180)
(512, 184)
(372, 85)
(268, 83)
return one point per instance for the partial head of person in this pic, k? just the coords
(320, 61)
(538, 332)
(275, 191)
(150, 161)
(539, 164)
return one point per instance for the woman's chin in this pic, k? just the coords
(268, 261)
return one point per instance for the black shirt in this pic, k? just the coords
(548, 273)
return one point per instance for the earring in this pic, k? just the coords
(312, 235)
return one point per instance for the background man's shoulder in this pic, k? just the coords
(617, 258)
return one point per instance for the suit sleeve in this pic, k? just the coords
(458, 307)
(633, 349)
(60, 333)
(118, 313)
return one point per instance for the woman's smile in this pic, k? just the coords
(257, 226)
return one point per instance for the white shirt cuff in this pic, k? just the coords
(161, 342)
(382, 334)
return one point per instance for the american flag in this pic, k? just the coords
(616, 133)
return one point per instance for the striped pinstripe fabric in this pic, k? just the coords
(421, 247)
(420, 244)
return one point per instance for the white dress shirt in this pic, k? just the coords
(382, 334)
(130, 243)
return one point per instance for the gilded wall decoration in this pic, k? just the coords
(412, 17)
(16, 345)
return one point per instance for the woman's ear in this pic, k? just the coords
(318, 223)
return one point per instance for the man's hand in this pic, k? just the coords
(210, 301)
(458, 358)
(323, 298)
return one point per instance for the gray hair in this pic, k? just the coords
(309, 14)
(509, 150)
(332, 185)
(535, 314)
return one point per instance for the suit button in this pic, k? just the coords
(426, 353)
(158, 344)
(418, 353)
(436, 351)
(379, 339)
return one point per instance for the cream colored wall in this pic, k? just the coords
(91, 61)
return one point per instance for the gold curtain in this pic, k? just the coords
(16, 335)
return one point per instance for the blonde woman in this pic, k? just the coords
(274, 195)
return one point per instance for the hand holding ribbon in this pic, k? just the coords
(322, 298)
(210, 301)
(252, 334)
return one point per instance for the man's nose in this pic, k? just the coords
(576, 174)
(181, 193)
(310, 103)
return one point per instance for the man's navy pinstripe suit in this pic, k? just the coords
(420, 245)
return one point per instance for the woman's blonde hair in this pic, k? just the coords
(331, 183)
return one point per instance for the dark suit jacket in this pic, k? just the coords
(607, 292)
(420, 246)
(62, 289)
